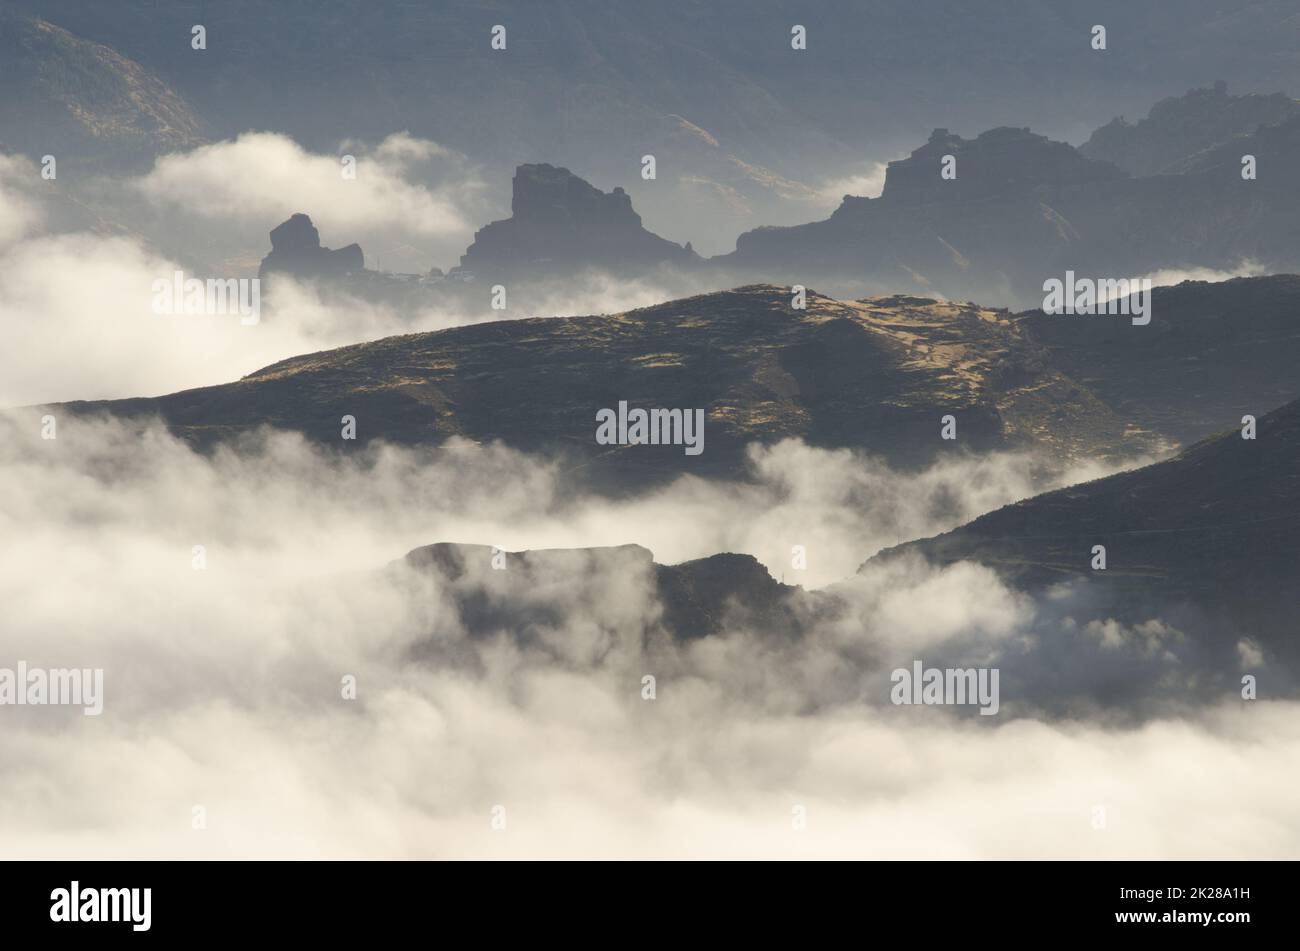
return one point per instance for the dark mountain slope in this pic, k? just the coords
(875, 375)
(927, 226)
(583, 80)
(83, 102)
(1211, 354)
(1180, 127)
(1023, 209)
(1217, 528)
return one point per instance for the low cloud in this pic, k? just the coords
(868, 183)
(223, 685)
(1170, 276)
(19, 211)
(80, 324)
(264, 173)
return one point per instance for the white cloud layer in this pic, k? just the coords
(1171, 276)
(868, 183)
(77, 320)
(18, 211)
(223, 685)
(266, 174)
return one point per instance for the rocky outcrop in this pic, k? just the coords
(992, 231)
(1270, 144)
(296, 250)
(559, 224)
(993, 163)
(1179, 128)
(1022, 209)
(496, 590)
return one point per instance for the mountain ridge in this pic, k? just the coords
(1217, 526)
(876, 375)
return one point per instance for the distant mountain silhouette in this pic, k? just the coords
(989, 227)
(1266, 143)
(296, 250)
(584, 84)
(1022, 209)
(560, 224)
(1179, 128)
(990, 165)
(596, 88)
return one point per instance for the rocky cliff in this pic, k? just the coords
(1180, 127)
(296, 250)
(559, 224)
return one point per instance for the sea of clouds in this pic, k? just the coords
(223, 685)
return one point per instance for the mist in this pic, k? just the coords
(79, 303)
(223, 683)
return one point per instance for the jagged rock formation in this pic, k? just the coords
(991, 164)
(1022, 209)
(699, 596)
(1179, 128)
(1268, 144)
(992, 228)
(559, 224)
(875, 375)
(592, 86)
(296, 250)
